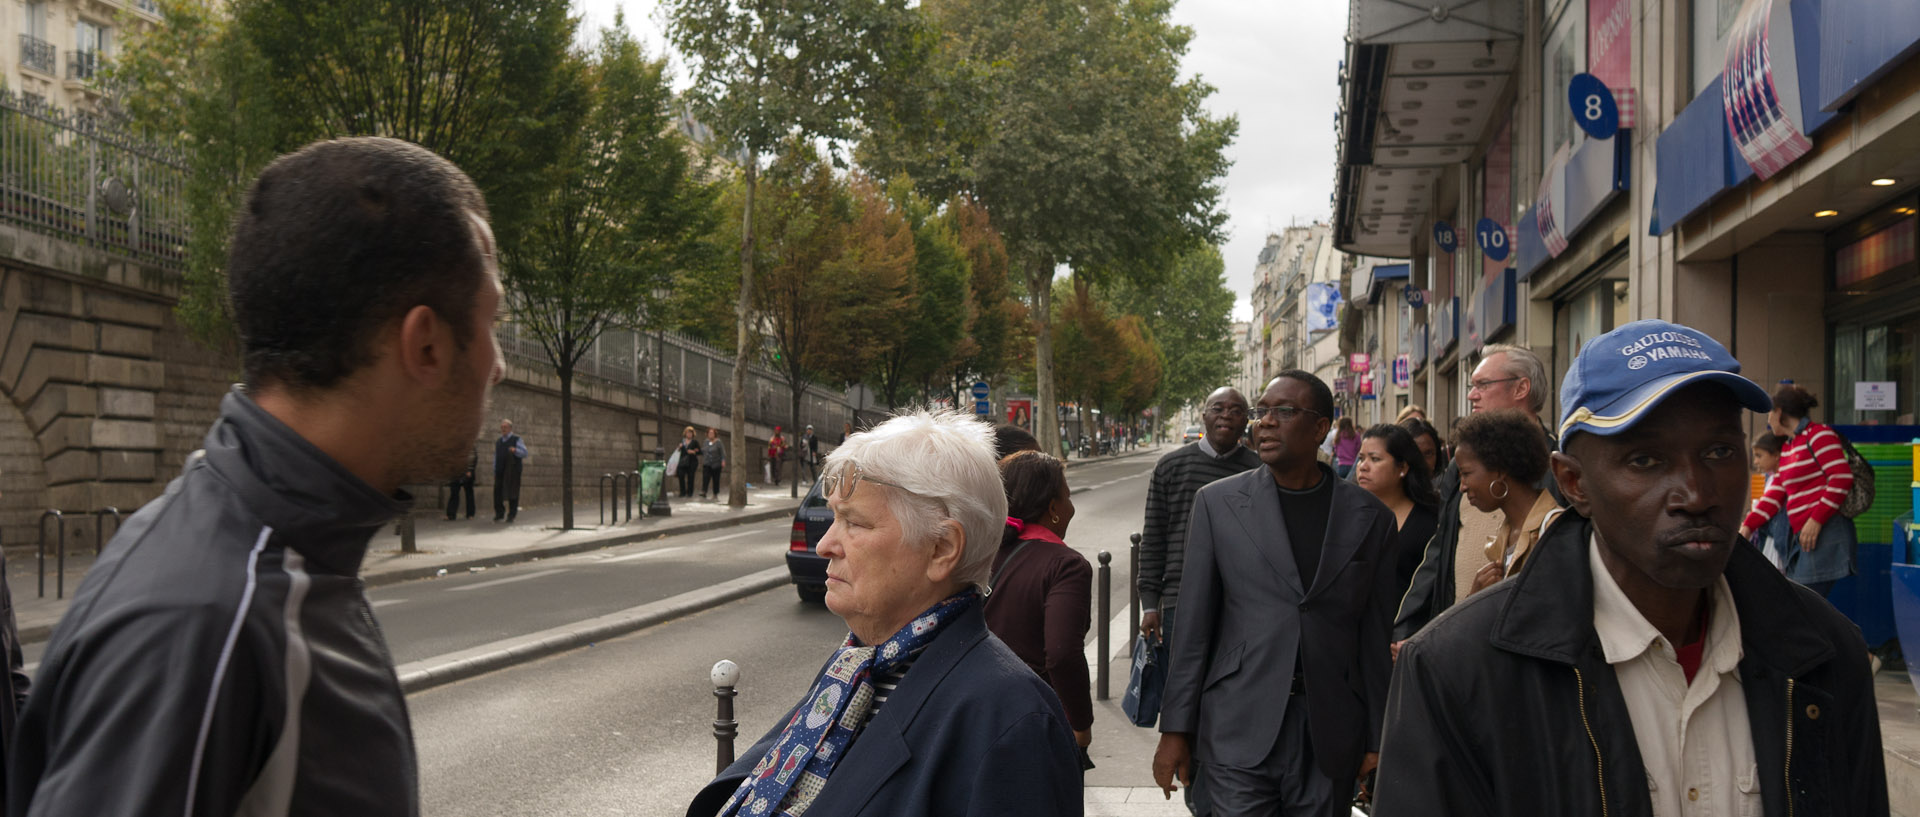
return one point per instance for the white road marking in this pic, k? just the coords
(508, 580)
(1122, 640)
(388, 603)
(643, 554)
(755, 532)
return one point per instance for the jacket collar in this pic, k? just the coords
(1352, 512)
(1548, 610)
(312, 502)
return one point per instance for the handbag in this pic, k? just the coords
(1146, 683)
(673, 463)
(1860, 496)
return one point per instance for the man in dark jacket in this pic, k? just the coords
(1646, 660)
(221, 657)
(509, 460)
(464, 482)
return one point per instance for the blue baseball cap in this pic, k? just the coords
(1622, 375)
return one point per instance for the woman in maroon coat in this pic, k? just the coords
(1042, 590)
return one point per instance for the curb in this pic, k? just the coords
(518, 556)
(445, 669)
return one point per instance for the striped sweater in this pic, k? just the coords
(1812, 483)
(1163, 539)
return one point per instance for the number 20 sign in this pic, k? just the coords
(1594, 108)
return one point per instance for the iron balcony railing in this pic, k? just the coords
(36, 53)
(83, 65)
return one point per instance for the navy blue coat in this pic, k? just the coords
(969, 731)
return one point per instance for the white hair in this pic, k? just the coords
(1522, 362)
(944, 462)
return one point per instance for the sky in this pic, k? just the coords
(1275, 65)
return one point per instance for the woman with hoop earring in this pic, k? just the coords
(1502, 455)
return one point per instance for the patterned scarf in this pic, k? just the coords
(793, 772)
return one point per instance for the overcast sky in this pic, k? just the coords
(1276, 67)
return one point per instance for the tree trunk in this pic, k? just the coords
(565, 373)
(743, 351)
(1046, 420)
(793, 457)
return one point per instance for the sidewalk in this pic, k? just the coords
(442, 545)
(1121, 783)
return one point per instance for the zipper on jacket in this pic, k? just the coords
(1788, 770)
(1599, 764)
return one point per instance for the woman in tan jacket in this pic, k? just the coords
(1502, 455)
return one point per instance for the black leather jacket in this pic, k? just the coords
(1506, 705)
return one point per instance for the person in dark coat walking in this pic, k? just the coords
(1646, 660)
(713, 457)
(689, 463)
(509, 457)
(464, 481)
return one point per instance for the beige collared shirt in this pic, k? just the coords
(1694, 738)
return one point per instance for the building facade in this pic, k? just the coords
(1299, 289)
(55, 49)
(1778, 216)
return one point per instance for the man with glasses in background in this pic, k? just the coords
(1508, 377)
(1176, 477)
(1279, 673)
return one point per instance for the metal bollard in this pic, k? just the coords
(602, 490)
(725, 676)
(100, 516)
(40, 555)
(633, 488)
(1106, 620)
(1133, 592)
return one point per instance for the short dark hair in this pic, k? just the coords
(1009, 438)
(1032, 480)
(339, 238)
(1322, 396)
(1418, 483)
(1508, 441)
(1769, 443)
(1418, 428)
(1795, 401)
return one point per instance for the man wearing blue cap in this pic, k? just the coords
(1646, 661)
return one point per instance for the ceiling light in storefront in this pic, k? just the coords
(1466, 103)
(1885, 182)
(1408, 123)
(1905, 211)
(1476, 84)
(1455, 137)
(1416, 85)
(1483, 62)
(1384, 173)
(1461, 121)
(1410, 105)
(1825, 213)
(1449, 151)
(1422, 65)
(1398, 153)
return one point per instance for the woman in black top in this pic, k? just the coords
(689, 463)
(1390, 467)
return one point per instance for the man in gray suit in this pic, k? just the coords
(1280, 667)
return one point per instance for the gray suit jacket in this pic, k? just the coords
(1246, 614)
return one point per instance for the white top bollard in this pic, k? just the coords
(725, 674)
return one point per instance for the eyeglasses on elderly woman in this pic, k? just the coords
(848, 472)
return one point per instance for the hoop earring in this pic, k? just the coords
(1504, 489)
(1056, 519)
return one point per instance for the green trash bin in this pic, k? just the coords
(653, 475)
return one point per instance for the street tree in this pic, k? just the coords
(620, 214)
(240, 82)
(1190, 317)
(1069, 121)
(994, 338)
(924, 336)
(765, 72)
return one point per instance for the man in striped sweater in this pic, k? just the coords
(1176, 478)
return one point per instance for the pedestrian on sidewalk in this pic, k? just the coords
(776, 455)
(920, 711)
(1176, 478)
(463, 482)
(1502, 457)
(1645, 661)
(689, 463)
(1279, 668)
(810, 454)
(1813, 482)
(1390, 468)
(221, 657)
(1041, 601)
(509, 459)
(713, 457)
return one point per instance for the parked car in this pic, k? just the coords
(808, 568)
(1193, 435)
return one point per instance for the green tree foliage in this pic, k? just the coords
(618, 214)
(1190, 316)
(481, 82)
(1105, 360)
(1070, 123)
(997, 321)
(765, 71)
(925, 335)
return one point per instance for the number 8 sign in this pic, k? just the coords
(1594, 108)
(1492, 238)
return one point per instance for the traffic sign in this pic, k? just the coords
(1492, 238)
(1444, 237)
(1594, 108)
(980, 390)
(980, 407)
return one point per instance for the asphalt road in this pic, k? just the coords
(624, 727)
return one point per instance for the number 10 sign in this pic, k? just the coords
(1594, 108)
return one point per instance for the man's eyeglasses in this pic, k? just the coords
(1483, 385)
(1227, 411)
(1284, 414)
(851, 475)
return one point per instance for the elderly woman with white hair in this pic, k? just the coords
(921, 711)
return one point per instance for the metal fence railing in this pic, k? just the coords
(36, 53)
(697, 374)
(85, 179)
